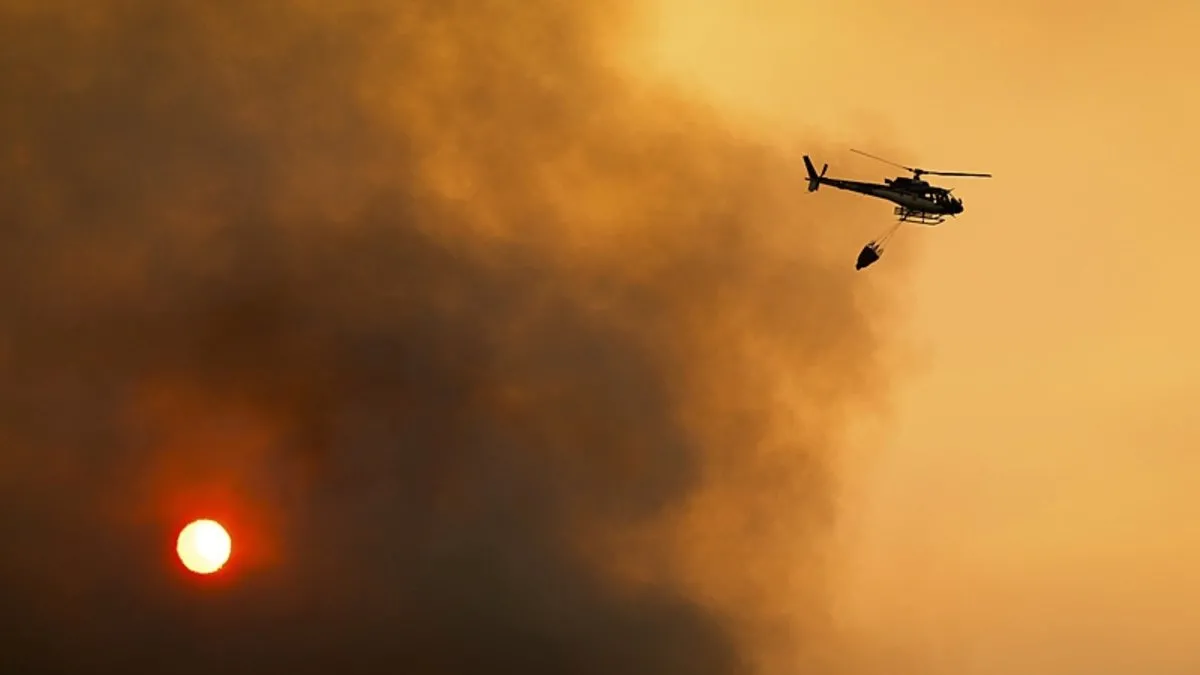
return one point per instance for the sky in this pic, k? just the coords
(1028, 505)
(508, 339)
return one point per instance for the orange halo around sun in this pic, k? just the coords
(203, 546)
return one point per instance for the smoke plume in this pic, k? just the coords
(490, 359)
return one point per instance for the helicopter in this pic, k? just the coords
(916, 200)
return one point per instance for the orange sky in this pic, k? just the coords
(1030, 507)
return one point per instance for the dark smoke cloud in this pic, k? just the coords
(491, 361)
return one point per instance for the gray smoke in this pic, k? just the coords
(490, 360)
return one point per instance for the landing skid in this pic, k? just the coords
(918, 217)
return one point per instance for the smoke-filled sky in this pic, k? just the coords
(504, 338)
(1031, 506)
(491, 356)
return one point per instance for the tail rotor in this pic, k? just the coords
(814, 178)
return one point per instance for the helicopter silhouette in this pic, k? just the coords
(916, 200)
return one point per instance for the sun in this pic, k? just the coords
(203, 546)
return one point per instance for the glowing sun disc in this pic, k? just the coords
(203, 546)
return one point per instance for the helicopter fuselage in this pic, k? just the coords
(917, 198)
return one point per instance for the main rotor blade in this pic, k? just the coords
(956, 173)
(924, 171)
(885, 161)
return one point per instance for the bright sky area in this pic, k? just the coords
(1031, 506)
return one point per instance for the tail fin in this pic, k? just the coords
(814, 178)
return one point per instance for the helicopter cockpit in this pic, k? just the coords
(943, 197)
